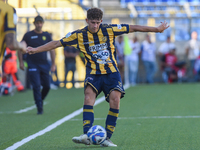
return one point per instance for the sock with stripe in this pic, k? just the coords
(111, 121)
(88, 118)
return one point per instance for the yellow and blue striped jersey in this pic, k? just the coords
(98, 48)
(7, 25)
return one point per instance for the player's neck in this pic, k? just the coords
(38, 32)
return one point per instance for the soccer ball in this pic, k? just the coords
(97, 134)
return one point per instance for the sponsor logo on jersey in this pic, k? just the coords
(98, 47)
(88, 42)
(34, 37)
(119, 26)
(68, 35)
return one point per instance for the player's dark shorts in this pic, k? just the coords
(106, 83)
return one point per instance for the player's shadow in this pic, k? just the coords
(85, 147)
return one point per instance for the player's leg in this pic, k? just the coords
(45, 82)
(114, 101)
(88, 115)
(34, 76)
(113, 89)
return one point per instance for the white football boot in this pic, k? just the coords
(108, 143)
(82, 139)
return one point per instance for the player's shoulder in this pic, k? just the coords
(46, 33)
(29, 33)
(105, 25)
(6, 7)
(81, 30)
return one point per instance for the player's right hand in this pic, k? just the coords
(30, 50)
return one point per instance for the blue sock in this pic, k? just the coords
(88, 118)
(111, 121)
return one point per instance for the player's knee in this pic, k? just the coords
(114, 99)
(89, 99)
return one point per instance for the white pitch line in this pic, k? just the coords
(53, 126)
(150, 117)
(26, 109)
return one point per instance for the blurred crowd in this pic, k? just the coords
(161, 61)
(143, 56)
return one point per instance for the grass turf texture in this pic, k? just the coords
(137, 126)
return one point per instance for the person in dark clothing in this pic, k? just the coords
(70, 61)
(38, 66)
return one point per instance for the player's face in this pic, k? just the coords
(38, 25)
(93, 25)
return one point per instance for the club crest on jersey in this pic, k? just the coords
(104, 39)
(119, 26)
(44, 38)
(68, 35)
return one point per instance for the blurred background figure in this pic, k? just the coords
(149, 58)
(165, 47)
(168, 62)
(10, 69)
(192, 53)
(38, 65)
(70, 62)
(120, 55)
(133, 61)
(8, 39)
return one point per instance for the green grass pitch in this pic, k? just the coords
(152, 117)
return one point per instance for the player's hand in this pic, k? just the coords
(21, 65)
(30, 50)
(23, 44)
(164, 25)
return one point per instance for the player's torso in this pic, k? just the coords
(99, 50)
(35, 40)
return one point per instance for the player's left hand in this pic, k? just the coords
(164, 25)
(30, 50)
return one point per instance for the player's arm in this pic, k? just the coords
(47, 47)
(139, 28)
(13, 44)
(21, 62)
(53, 65)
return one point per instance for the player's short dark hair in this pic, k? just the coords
(38, 18)
(94, 14)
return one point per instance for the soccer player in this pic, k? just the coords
(38, 66)
(8, 30)
(97, 42)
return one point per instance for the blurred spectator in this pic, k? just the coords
(149, 58)
(168, 66)
(173, 70)
(197, 69)
(70, 61)
(133, 61)
(192, 52)
(166, 47)
(120, 55)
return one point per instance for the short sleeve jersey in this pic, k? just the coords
(98, 48)
(34, 39)
(8, 23)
